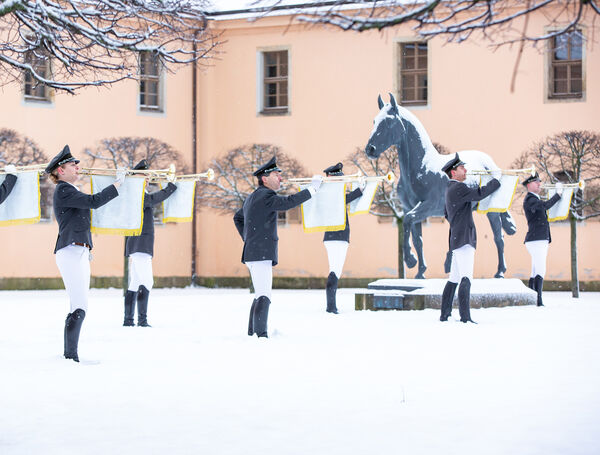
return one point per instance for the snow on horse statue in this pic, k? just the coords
(422, 183)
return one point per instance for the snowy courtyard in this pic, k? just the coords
(524, 381)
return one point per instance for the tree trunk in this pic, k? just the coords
(574, 275)
(400, 226)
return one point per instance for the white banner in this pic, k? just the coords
(124, 214)
(501, 199)
(326, 210)
(560, 210)
(363, 203)
(22, 206)
(179, 207)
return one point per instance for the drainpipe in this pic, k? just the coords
(194, 157)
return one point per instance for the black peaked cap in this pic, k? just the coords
(336, 169)
(63, 157)
(452, 164)
(266, 169)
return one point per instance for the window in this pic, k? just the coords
(150, 82)
(413, 74)
(33, 89)
(275, 82)
(291, 216)
(566, 68)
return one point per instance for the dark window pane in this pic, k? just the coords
(576, 71)
(409, 50)
(422, 80)
(408, 94)
(576, 86)
(272, 89)
(152, 100)
(408, 81)
(283, 70)
(283, 100)
(560, 72)
(422, 63)
(272, 101)
(153, 87)
(270, 58)
(560, 86)
(409, 63)
(423, 47)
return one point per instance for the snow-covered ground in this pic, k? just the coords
(525, 380)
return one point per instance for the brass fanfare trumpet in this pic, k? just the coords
(150, 173)
(527, 170)
(389, 178)
(31, 167)
(551, 186)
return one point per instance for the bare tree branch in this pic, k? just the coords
(234, 181)
(96, 42)
(456, 21)
(19, 150)
(126, 152)
(569, 157)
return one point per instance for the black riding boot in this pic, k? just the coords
(261, 314)
(538, 283)
(464, 300)
(447, 299)
(332, 282)
(72, 329)
(129, 308)
(531, 284)
(66, 340)
(142, 304)
(251, 321)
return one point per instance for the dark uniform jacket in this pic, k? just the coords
(72, 212)
(459, 213)
(345, 233)
(537, 218)
(7, 186)
(256, 222)
(144, 243)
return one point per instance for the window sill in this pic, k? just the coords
(274, 112)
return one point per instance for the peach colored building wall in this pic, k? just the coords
(334, 81)
(335, 78)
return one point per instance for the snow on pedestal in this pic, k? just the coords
(406, 294)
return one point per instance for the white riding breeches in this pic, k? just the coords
(538, 249)
(140, 271)
(262, 277)
(462, 264)
(73, 262)
(336, 253)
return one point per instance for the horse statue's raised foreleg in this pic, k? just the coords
(417, 239)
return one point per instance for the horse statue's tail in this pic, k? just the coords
(508, 223)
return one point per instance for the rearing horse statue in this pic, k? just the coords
(422, 183)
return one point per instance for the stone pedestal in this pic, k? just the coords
(401, 294)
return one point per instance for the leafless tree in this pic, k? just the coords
(501, 21)
(126, 152)
(97, 42)
(234, 181)
(19, 150)
(386, 203)
(570, 157)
